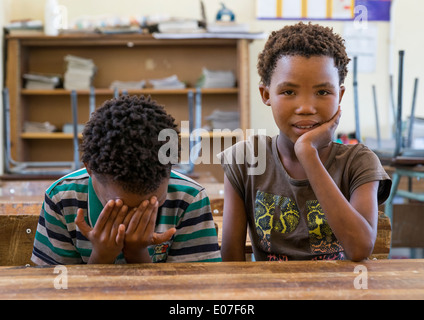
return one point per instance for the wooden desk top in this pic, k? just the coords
(385, 279)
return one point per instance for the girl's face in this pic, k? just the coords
(303, 94)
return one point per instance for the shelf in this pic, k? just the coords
(126, 58)
(48, 135)
(127, 40)
(66, 136)
(61, 92)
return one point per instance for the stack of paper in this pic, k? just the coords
(217, 79)
(171, 82)
(44, 127)
(226, 27)
(225, 119)
(79, 73)
(127, 85)
(25, 27)
(41, 81)
(179, 25)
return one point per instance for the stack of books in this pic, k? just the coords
(179, 26)
(171, 82)
(127, 85)
(228, 27)
(41, 81)
(224, 119)
(79, 74)
(217, 79)
(43, 127)
(25, 27)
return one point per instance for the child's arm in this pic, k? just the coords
(354, 223)
(234, 225)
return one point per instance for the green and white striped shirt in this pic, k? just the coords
(187, 208)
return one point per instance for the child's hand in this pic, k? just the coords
(319, 137)
(107, 236)
(140, 234)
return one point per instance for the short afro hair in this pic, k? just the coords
(120, 143)
(302, 40)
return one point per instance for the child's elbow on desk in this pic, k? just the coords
(360, 252)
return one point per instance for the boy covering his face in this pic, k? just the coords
(125, 206)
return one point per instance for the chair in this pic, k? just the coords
(406, 161)
(41, 167)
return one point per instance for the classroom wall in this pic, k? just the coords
(408, 25)
(401, 33)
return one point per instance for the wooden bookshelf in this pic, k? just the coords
(117, 57)
(61, 135)
(206, 91)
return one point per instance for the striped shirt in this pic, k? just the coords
(58, 240)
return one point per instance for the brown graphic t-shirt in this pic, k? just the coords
(286, 221)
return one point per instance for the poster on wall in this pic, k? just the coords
(363, 44)
(376, 10)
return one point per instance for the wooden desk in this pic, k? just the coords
(18, 224)
(386, 279)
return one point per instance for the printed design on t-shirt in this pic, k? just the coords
(321, 238)
(159, 253)
(277, 257)
(265, 220)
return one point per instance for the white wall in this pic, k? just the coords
(407, 25)
(408, 35)
(365, 81)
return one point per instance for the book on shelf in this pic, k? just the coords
(127, 85)
(24, 27)
(227, 27)
(217, 79)
(224, 119)
(211, 35)
(42, 81)
(119, 30)
(179, 25)
(39, 127)
(79, 73)
(171, 82)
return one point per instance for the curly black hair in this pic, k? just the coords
(120, 143)
(304, 40)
